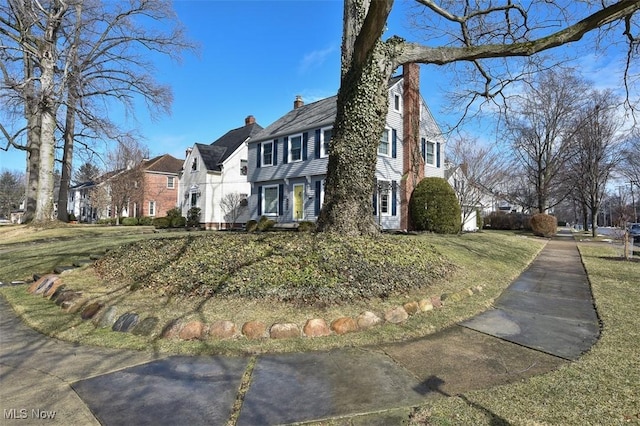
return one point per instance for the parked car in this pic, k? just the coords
(634, 230)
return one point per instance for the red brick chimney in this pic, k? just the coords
(413, 164)
(249, 120)
(298, 102)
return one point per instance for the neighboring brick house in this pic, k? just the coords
(288, 159)
(160, 187)
(151, 189)
(214, 178)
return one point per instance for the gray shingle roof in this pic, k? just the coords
(217, 152)
(316, 114)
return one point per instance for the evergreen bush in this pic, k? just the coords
(178, 222)
(252, 226)
(129, 221)
(434, 207)
(193, 217)
(306, 227)
(264, 224)
(145, 221)
(161, 222)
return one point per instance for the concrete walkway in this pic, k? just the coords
(545, 318)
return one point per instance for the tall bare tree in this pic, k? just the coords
(98, 54)
(482, 170)
(12, 185)
(630, 168)
(599, 152)
(469, 32)
(127, 183)
(541, 129)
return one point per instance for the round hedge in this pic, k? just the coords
(434, 207)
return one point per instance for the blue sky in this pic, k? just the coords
(255, 57)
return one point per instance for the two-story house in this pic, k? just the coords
(288, 159)
(148, 189)
(160, 187)
(214, 178)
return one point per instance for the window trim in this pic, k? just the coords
(323, 150)
(290, 146)
(263, 163)
(397, 102)
(264, 200)
(244, 167)
(171, 179)
(382, 196)
(387, 130)
(152, 208)
(433, 153)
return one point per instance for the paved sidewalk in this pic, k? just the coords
(545, 318)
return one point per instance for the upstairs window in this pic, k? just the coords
(243, 167)
(430, 153)
(267, 153)
(396, 102)
(194, 165)
(326, 138)
(171, 182)
(384, 147)
(295, 150)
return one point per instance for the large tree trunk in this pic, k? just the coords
(70, 120)
(67, 162)
(48, 108)
(33, 165)
(367, 65)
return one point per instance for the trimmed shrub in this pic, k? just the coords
(193, 217)
(72, 217)
(434, 207)
(507, 221)
(252, 226)
(129, 221)
(544, 225)
(178, 222)
(265, 224)
(306, 227)
(161, 222)
(145, 221)
(174, 212)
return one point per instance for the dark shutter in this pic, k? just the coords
(259, 155)
(317, 198)
(424, 149)
(259, 201)
(438, 154)
(275, 152)
(285, 150)
(280, 200)
(305, 145)
(375, 201)
(316, 144)
(394, 198)
(394, 143)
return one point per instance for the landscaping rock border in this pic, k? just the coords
(51, 286)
